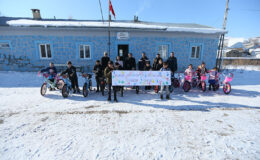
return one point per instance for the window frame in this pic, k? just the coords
(167, 43)
(167, 51)
(196, 45)
(6, 42)
(84, 50)
(46, 51)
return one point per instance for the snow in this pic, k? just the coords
(27, 22)
(193, 125)
(233, 42)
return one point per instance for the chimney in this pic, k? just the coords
(36, 14)
(135, 18)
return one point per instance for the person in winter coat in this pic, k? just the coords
(201, 70)
(142, 62)
(212, 78)
(130, 63)
(172, 63)
(118, 60)
(189, 71)
(72, 73)
(98, 73)
(52, 72)
(147, 68)
(156, 61)
(165, 68)
(159, 65)
(104, 61)
(108, 74)
(118, 66)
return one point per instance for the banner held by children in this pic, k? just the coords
(141, 78)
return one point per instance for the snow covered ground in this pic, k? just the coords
(192, 125)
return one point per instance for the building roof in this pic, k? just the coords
(142, 25)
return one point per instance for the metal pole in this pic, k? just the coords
(109, 18)
(222, 39)
(101, 11)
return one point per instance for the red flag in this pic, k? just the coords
(111, 9)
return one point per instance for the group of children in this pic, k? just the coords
(202, 70)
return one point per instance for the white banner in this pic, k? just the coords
(141, 78)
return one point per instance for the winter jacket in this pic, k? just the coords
(120, 62)
(130, 63)
(98, 70)
(50, 70)
(158, 67)
(172, 63)
(142, 62)
(156, 61)
(104, 62)
(119, 67)
(71, 72)
(201, 71)
(189, 72)
(147, 68)
(212, 74)
(108, 74)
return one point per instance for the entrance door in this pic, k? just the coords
(122, 51)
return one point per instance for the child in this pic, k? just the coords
(201, 70)
(51, 70)
(72, 73)
(165, 68)
(108, 74)
(147, 66)
(212, 78)
(98, 73)
(189, 71)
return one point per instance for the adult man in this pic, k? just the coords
(142, 62)
(130, 63)
(172, 63)
(156, 61)
(104, 61)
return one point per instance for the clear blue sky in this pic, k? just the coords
(243, 17)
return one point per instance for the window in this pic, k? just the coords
(163, 51)
(4, 45)
(84, 52)
(45, 51)
(195, 51)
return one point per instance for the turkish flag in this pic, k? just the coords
(111, 9)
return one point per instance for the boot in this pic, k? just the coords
(161, 96)
(78, 90)
(115, 100)
(74, 90)
(109, 99)
(167, 97)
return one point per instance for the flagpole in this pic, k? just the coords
(109, 18)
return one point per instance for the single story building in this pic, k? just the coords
(29, 44)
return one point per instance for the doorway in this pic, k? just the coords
(123, 50)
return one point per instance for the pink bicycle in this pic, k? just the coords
(226, 82)
(188, 82)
